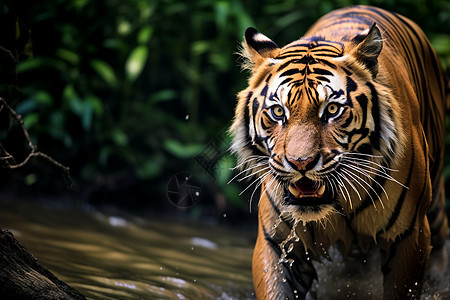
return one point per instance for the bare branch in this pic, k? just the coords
(9, 159)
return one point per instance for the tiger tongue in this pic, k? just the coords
(306, 186)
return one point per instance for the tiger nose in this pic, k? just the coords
(303, 164)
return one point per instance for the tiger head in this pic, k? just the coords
(312, 115)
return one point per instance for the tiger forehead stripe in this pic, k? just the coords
(312, 48)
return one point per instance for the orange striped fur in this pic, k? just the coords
(345, 130)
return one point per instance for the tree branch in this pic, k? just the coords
(8, 158)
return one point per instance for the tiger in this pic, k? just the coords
(344, 130)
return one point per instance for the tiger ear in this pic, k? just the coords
(257, 48)
(368, 47)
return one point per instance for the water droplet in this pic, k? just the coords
(265, 270)
(416, 283)
(410, 290)
(186, 178)
(291, 262)
(187, 117)
(195, 280)
(290, 248)
(224, 215)
(197, 193)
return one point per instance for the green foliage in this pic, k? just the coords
(145, 85)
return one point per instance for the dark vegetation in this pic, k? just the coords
(130, 93)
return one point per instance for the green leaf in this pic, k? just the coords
(163, 95)
(34, 64)
(145, 34)
(96, 104)
(119, 137)
(31, 178)
(30, 120)
(224, 169)
(83, 108)
(136, 62)
(181, 150)
(441, 43)
(37, 99)
(200, 47)
(17, 30)
(150, 168)
(104, 71)
(68, 56)
(124, 27)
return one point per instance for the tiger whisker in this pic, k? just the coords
(253, 173)
(357, 180)
(340, 184)
(359, 170)
(263, 178)
(368, 162)
(333, 182)
(245, 170)
(249, 159)
(266, 189)
(362, 154)
(385, 175)
(328, 180)
(253, 182)
(351, 184)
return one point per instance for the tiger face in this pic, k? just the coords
(311, 115)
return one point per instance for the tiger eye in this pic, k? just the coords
(332, 109)
(277, 111)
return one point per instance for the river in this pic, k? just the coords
(123, 256)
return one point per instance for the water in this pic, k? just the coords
(112, 256)
(125, 257)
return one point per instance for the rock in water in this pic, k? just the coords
(22, 277)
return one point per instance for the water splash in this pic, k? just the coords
(287, 245)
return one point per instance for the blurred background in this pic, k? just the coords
(136, 96)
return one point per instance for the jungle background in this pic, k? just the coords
(131, 94)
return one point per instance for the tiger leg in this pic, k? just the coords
(405, 263)
(290, 279)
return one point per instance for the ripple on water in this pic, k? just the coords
(116, 257)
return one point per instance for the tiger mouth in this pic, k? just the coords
(306, 192)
